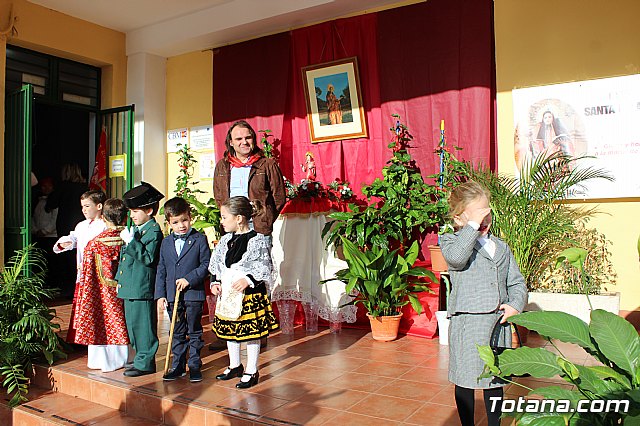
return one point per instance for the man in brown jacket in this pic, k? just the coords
(244, 171)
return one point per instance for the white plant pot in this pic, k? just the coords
(574, 304)
(443, 327)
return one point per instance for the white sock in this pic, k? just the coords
(253, 350)
(234, 353)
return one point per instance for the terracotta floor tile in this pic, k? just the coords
(310, 374)
(332, 397)
(435, 361)
(427, 375)
(360, 382)
(386, 407)
(303, 414)
(177, 413)
(125, 420)
(445, 397)
(108, 395)
(411, 390)
(386, 369)
(283, 388)
(251, 403)
(352, 419)
(144, 405)
(434, 414)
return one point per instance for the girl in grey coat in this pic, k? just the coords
(486, 283)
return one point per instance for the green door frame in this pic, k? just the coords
(17, 170)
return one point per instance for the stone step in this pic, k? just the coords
(47, 407)
(145, 399)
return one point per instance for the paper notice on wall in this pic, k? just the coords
(201, 138)
(598, 118)
(118, 166)
(207, 165)
(176, 139)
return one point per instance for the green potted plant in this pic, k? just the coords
(27, 330)
(613, 377)
(399, 206)
(383, 281)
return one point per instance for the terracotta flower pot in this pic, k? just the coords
(438, 263)
(384, 328)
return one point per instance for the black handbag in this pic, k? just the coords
(497, 350)
(495, 337)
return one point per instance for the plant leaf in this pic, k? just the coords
(535, 361)
(617, 339)
(556, 325)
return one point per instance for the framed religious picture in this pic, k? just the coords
(334, 101)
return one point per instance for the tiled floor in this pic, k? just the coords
(322, 378)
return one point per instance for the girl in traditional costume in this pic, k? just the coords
(242, 271)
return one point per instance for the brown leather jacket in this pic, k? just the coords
(265, 184)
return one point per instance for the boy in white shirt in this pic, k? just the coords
(78, 239)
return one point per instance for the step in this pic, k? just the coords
(145, 399)
(47, 407)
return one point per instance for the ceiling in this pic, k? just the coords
(172, 27)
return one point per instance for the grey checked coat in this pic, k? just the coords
(480, 284)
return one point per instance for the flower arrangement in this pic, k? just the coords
(341, 190)
(337, 190)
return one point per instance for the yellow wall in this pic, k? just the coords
(189, 104)
(541, 42)
(61, 35)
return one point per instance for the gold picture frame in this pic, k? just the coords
(334, 101)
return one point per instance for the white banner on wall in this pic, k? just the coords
(599, 118)
(201, 138)
(177, 138)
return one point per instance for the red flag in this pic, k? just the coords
(99, 178)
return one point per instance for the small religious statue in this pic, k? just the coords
(309, 167)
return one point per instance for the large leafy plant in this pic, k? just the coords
(399, 209)
(27, 330)
(383, 279)
(531, 213)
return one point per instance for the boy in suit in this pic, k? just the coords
(136, 276)
(184, 260)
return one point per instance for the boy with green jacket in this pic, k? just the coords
(136, 276)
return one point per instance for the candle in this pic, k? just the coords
(441, 124)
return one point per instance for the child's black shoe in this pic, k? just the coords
(195, 375)
(173, 375)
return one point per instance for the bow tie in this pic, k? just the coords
(182, 237)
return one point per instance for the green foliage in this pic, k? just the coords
(268, 148)
(598, 271)
(400, 205)
(186, 163)
(610, 339)
(204, 215)
(384, 280)
(27, 331)
(530, 212)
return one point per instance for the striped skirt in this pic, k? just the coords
(256, 319)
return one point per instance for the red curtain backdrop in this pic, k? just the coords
(426, 62)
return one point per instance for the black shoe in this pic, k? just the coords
(174, 374)
(253, 380)
(195, 375)
(134, 372)
(230, 373)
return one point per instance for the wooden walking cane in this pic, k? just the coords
(173, 324)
